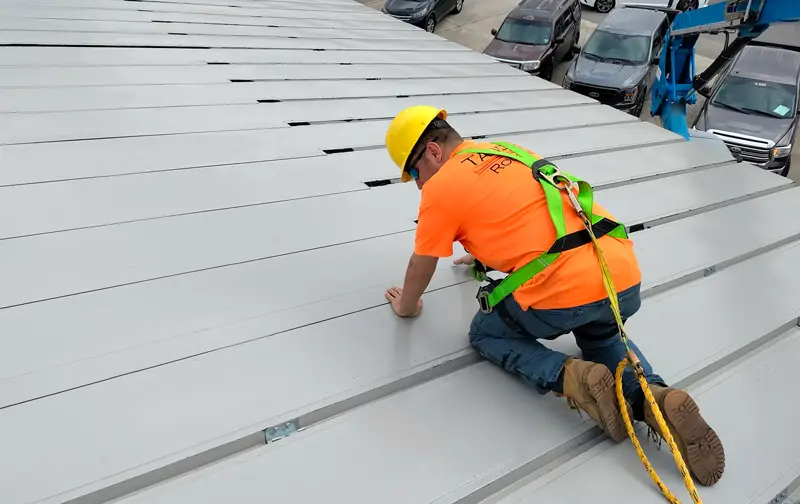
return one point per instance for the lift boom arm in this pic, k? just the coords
(675, 84)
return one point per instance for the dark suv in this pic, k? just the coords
(537, 35)
(617, 64)
(752, 103)
(423, 13)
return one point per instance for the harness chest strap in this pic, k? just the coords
(548, 175)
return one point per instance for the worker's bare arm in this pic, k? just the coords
(407, 302)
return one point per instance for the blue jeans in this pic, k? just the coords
(519, 351)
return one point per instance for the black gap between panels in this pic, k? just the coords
(381, 182)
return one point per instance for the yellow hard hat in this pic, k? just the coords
(405, 130)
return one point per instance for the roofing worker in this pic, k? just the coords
(497, 209)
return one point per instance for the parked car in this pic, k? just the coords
(618, 63)
(605, 6)
(752, 104)
(423, 13)
(537, 35)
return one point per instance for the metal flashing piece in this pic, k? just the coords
(184, 218)
(280, 431)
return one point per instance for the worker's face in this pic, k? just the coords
(428, 162)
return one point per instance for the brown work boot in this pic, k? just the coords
(699, 445)
(590, 387)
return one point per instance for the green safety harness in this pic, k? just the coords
(553, 183)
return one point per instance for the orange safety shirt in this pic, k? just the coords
(494, 207)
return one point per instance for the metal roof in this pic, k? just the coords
(196, 232)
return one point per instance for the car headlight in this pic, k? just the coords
(782, 151)
(530, 66)
(784, 146)
(631, 94)
(566, 83)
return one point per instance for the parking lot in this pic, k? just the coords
(472, 28)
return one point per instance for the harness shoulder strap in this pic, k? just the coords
(538, 165)
(544, 172)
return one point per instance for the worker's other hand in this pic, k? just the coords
(467, 260)
(394, 295)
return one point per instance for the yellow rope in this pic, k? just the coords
(687, 479)
(632, 360)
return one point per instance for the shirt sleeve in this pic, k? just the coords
(436, 229)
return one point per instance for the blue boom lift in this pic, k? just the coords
(675, 84)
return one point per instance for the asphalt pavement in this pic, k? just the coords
(472, 28)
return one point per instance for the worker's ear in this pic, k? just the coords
(436, 152)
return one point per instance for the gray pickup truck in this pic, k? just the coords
(752, 103)
(618, 62)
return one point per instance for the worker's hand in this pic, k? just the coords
(467, 260)
(394, 295)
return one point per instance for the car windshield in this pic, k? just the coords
(620, 47)
(520, 31)
(753, 96)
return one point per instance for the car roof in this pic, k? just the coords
(773, 64)
(632, 20)
(538, 9)
(782, 34)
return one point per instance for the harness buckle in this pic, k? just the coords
(555, 178)
(483, 300)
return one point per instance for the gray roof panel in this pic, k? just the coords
(442, 425)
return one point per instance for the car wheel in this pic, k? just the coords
(459, 6)
(430, 24)
(604, 6)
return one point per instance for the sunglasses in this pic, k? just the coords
(411, 168)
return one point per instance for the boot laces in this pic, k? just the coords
(654, 436)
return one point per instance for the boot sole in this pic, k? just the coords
(600, 383)
(704, 454)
